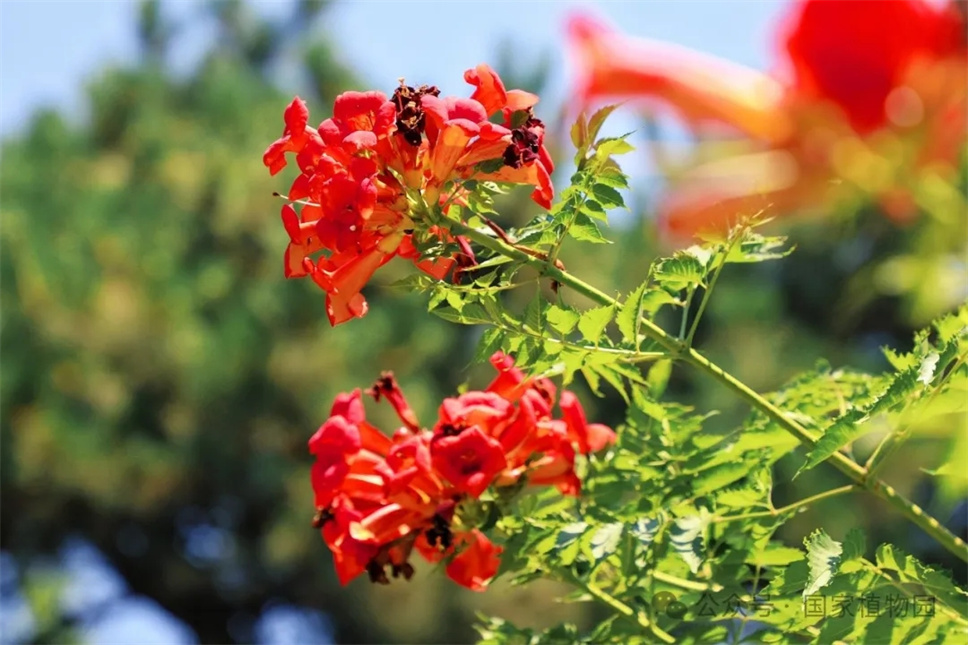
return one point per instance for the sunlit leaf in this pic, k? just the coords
(823, 558)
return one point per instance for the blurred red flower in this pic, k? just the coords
(866, 94)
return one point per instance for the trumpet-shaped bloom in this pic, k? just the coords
(378, 498)
(369, 172)
(700, 87)
(855, 83)
(855, 56)
(470, 460)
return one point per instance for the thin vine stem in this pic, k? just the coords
(611, 601)
(776, 512)
(680, 351)
(708, 292)
(685, 313)
(682, 583)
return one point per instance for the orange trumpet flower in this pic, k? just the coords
(867, 96)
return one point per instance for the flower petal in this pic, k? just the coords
(700, 87)
(488, 88)
(477, 561)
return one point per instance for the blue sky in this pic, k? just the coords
(49, 49)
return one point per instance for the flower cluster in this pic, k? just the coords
(378, 498)
(369, 172)
(858, 86)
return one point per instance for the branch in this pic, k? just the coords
(623, 609)
(681, 351)
(776, 512)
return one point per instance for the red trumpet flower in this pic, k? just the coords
(858, 83)
(369, 172)
(377, 498)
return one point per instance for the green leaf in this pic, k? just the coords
(552, 347)
(562, 319)
(567, 543)
(899, 361)
(655, 299)
(704, 254)
(455, 300)
(627, 317)
(532, 314)
(679, 272)
(472, 314)
(605, 540)
(594, 210)
(490, 342)
(584, 229)
(579, 132)
(855, 543)
(947, 469)
(572, 361)
(850, 426)
(611, 175)
(607, 196)
(593, 322)
(644, 530)
(790, 580)
(497, 260)
(413, 282)
(491, 306)
(612, 147)
(593, 380)
(823, 558)
(754, 247)
(775, 555)
(658, 377)
(686, 536)
(645, 404)
(910, 569)
(953, 325)
(598, 119)
(487, 167)
(890, 628)
(927, 368)
(438, 296)
(613, 378)
(740, 498)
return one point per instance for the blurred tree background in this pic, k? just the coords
(160, 377)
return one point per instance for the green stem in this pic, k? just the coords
(685, 313)
(789, 507)
(619, 606)
(689, 585)
(677, 349)
(708, 291)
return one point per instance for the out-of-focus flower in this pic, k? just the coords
(866, 96)
(368, 173)
(378, 498)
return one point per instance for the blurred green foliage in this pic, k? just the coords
(160, 375)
